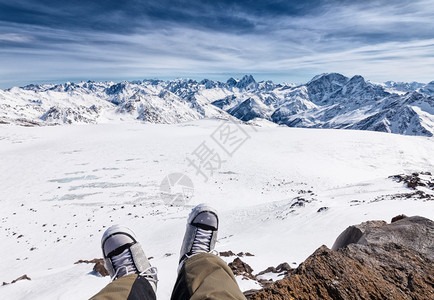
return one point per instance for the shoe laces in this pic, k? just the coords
(123, 264)
(202, 241)
(150, 274)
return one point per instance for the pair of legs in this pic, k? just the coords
(201, 275)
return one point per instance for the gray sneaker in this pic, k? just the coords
(123, 255)
(201, 233)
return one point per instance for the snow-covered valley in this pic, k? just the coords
(283, 193)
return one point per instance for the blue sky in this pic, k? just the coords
(284, 41)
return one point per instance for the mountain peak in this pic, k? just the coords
(247, 82)
(428, 89)
(328, 77)
(247, 78)
(321, 87)
(231, 82)
(357, 78)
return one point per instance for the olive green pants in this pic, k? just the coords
(203, 276)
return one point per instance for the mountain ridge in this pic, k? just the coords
(329, 100)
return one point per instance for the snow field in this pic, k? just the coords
(62, 186)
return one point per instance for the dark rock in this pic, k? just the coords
(416, 233)
(397, 218)
(299, 201)
(321, 209)
(283, 267)
(231, 253)
(353, 233)
(24, 277)
(413, 181)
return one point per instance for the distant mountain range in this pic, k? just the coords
(327, 101)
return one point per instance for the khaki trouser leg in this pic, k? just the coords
(206, 276)
(127, 287)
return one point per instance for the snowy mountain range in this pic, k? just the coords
(327, 101)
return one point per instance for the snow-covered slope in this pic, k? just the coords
(327, 101)
(428, 89)
(401, 87)
(282, 194)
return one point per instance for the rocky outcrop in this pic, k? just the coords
(98, 268)
(24, 277)
(373, 260)
(240, 268)
(414, 233)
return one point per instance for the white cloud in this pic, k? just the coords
(15, 38)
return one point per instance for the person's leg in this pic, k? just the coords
(202, 275)
(132, 275)
(127, 287)
(206, 276)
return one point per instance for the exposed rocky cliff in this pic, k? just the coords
(373, 260)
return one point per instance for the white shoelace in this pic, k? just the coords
(123, 264)
(202, 241)
(150, 274)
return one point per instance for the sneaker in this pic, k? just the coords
(123, 255)
(201, 233)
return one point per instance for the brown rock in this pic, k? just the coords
(98, 267)
(85, 261)
(384, 265)
(356, 272)
(240, 268)
(24, 277)
(227, 253)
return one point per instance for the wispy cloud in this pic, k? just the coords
(279, 40)
(14, 38)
